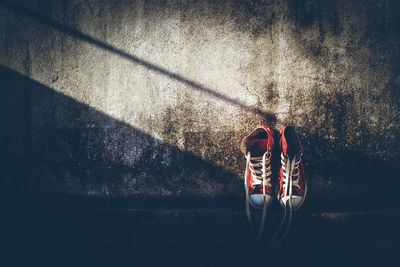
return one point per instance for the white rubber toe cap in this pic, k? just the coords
(297, 201)
(257, 200)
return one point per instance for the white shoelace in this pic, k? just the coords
(260, 169)
(261, 172)
(290, 176)
(290, 170)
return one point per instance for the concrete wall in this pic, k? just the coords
(152, 98)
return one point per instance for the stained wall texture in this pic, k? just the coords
(152, 98)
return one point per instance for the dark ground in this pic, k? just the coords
(75, 232)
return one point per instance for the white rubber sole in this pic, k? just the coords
(260, 207)
(302, 201)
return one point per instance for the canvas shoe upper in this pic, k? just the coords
(257, 148)
(292, 183)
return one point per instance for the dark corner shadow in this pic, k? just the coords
(53, 144)
(86, 38)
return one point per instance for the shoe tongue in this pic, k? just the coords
(291, 151)
(259, 147)
(256, 140)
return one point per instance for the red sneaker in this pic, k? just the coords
(257, 148)
(292, 183)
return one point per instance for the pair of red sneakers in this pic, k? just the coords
(261, 175)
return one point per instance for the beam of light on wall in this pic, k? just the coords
(197, 81)
(146, 95)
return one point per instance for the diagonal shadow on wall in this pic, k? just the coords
(52, 144)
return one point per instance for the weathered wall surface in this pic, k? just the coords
(124, 98)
